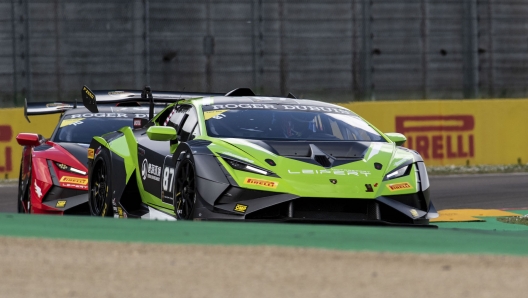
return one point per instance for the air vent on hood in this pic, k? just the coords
(324, 153)
(336, 149)
(323, 160)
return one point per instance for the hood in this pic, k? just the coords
(315, 168)
(79, 151)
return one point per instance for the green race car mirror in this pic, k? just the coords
(161, 133)
(397, 138)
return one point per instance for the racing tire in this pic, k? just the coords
(99, 200)
(185, 189)
(23, 195)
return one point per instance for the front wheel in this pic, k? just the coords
(185, 189)
(100, 189)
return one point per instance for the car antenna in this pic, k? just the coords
(147, 94)
(25, 110)
(183, 90)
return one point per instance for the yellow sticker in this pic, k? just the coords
(210, 114)
(87, 91)
(60, 204)
(240, 208)
(74, 180)
(260, 182)
(399, 186)
(414, 213)
(120, 212)
(67, 122)
(90, 153)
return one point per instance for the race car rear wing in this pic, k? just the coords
(91, 98)
(45, 108)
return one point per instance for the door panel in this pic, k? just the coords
(151, 157)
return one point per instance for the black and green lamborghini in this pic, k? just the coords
(238, 156)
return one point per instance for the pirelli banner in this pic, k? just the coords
(455, 132)
(12, 122)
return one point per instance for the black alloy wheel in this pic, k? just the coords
(185, 188)
(99, 190)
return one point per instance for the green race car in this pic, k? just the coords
(238, 156)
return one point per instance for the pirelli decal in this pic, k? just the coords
(399, 186)
(261, 182)
(74, 180)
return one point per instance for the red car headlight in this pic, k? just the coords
(65, 167)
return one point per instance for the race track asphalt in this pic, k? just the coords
(487, 191)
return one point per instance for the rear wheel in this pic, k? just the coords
(99, 190)
(185, 188)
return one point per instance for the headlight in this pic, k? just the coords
(69, 169)
(403, 171)
(242, 166)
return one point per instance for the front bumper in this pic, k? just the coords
(235, 203)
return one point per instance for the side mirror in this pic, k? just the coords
(397, 138)
(28, 139)
(161, 133)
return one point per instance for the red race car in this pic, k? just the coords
(53, 174)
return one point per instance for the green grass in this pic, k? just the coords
(514, 220)
(458, 238)
(477, 169)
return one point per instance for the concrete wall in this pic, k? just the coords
(331, 49)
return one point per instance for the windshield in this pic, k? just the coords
(281, 124)
(82, 130)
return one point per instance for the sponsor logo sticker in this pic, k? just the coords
(121, 94)
(58, 105)
(341, 172)
(150, 171)
(214, 114)
(240, 208)
(414, 213)
(60, 204)
(399, 186)
(87, 91)
(74, 122)
(38, 190)
(90, 153)
(74, 180)
(137, 123)
(260, 182)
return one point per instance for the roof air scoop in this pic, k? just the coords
(241, 92)
(290, 95)
(320, 157)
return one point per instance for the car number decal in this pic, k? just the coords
(167, 185)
